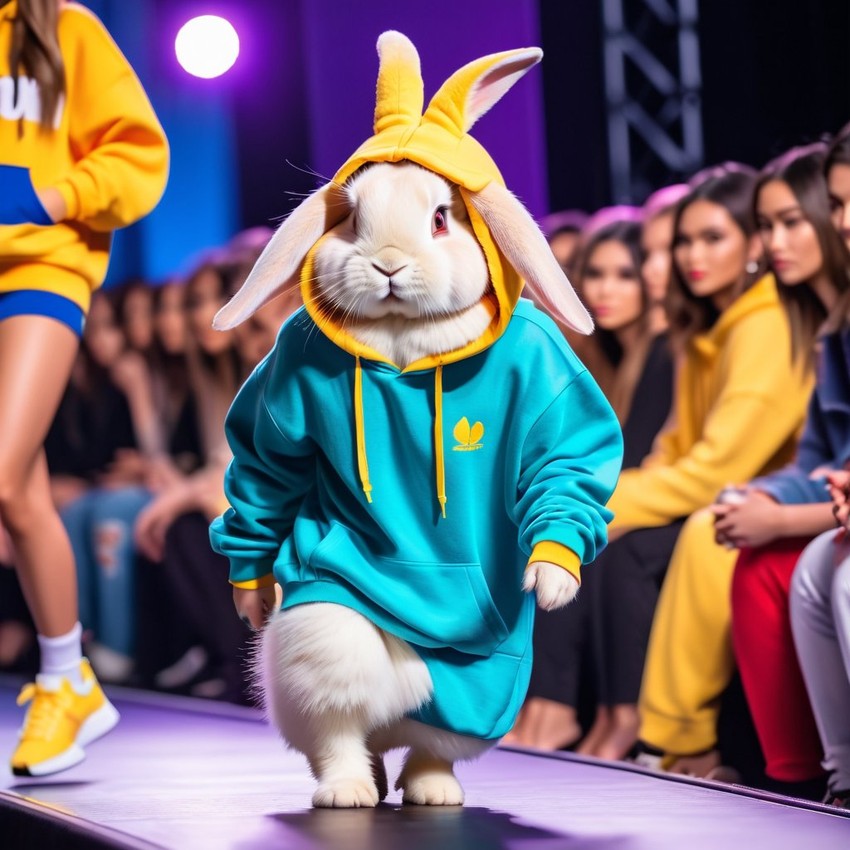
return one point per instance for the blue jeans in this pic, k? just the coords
(100, 527)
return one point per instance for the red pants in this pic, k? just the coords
(767, 660)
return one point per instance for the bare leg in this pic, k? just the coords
(36, 356)
(544, 724)
(599, 732)
(623, 732)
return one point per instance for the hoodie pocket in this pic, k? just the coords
(433, 604)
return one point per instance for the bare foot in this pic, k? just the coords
(700, 765)
(598, 732)
(519, 735)
(544, 724)
(622, 734)
(556, 725)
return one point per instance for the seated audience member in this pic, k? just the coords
(820, 620)
(656, 241)
(736, 415)
(632, 364)
(173, 533)
(811, 262)
(563, 233)
(690, 661)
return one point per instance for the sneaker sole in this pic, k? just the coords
(95, 726)
(72, 756)
(98, 724)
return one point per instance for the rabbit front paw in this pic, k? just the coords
(554, 586)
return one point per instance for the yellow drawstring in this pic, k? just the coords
(362, 462)
(438, 438)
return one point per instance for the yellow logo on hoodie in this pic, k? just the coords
(468, 437)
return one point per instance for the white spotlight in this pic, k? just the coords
(207, 46)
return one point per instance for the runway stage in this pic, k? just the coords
(184, 774)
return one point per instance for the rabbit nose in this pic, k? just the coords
(389, 262)
(388, 269)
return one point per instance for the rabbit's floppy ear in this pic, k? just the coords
(281, 260)
(468, 93)
(520, 240)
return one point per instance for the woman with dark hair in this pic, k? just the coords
(631, 363)
(769, 521)
(656, 241)
(799, 229)
(736, 414)
(81, 154)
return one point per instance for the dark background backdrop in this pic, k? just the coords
(774, 73)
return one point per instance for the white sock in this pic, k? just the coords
(61, 656)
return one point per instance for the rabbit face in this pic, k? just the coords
(406, 249)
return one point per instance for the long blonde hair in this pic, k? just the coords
(35, 50)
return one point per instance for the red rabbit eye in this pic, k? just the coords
(440, 223)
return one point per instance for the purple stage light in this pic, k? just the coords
(207, 46)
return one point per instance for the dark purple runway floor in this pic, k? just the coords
(184, 775)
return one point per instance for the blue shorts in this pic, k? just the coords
(35, 302)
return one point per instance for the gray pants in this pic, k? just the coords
(820, 620)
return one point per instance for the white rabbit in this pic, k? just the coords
(420, 271)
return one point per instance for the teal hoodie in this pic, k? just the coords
(417, 497)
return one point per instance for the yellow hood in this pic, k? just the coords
(437, 140)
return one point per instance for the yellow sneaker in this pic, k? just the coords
(60, 722)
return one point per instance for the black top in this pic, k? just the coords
(651, 405)
(88, 430)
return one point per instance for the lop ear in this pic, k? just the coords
(279, 265)
(520, 240)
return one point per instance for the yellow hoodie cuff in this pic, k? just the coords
(255, 583)
(72, 201)
(557, 554)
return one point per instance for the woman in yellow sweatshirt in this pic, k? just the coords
(736, 414)
(81, 154)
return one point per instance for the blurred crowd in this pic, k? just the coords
(712, 636)
(137, 455)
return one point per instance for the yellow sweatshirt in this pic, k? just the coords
(107, 156)
(738, 410)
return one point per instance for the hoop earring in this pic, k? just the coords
(752, 267)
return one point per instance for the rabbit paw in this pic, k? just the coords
(434, 787)
(346, 794)
(555, 587)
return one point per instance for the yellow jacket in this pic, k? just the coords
(107, 156)
(738, 410)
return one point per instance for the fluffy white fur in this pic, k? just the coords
(397, 283)
(554, 586)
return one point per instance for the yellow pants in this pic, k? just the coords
(689, 662)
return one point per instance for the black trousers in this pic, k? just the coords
(607, 626)
(623, 594)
